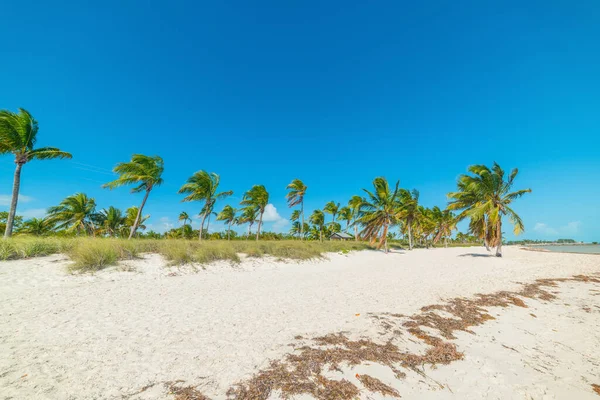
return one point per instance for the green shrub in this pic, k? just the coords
(93, 255)
(8, 251)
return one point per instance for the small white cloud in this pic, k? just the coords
(544, 229)
(6, 198)
(33, 213)
(572, 228)
(279, 225)
(271, 214)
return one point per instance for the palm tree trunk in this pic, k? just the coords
(139, 215)
(410, 246)
(229, 230)
(321, 234)
(15, 199)
(208, 224)
(302, 224)
(384, 238)
(499, 234)
(249, 227)
(202, 226)
(259, 225)
(355, 232)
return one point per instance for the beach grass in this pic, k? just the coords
(93, 254)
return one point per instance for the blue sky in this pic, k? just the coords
(334, 93)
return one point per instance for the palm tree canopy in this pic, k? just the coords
(183, 216)
(317, 218)
(143, 171)
(297, 190)
(295, 215)
(131, 214)
(36, 226)
(18, 135)
(332, 208)
(248, 215)
(257, 197)
(485, 195)
(227, 215)
(73, 213)
(379, 209)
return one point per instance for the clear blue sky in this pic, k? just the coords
(334, 93)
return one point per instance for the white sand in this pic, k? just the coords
(108, 335)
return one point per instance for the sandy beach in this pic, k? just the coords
(127, 331)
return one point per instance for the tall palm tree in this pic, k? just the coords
(317, 218)
(486, 196)
(36, 227)
(203, 186)
(111, 221)
(295, 217)
(354, 204)
(75, 214)
(332, 208)
(257, 198)
(248, 216)
(410, 213)
(143, 171)
(18, 135)
(227, 215)
(379, 211)
(295, 196)
(346, 215)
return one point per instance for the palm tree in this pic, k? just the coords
(75, 214)
(379, 211)
(131, 214)
(143, 171)
(36, 227)
(249, 215)
(332, 208)
(317, 218)
(296, 215)
(408, 204)
(203, 186)
(111, 220)
(184, 217)
(354, 204)
(257, 198)
(485, 196)
(445, 223)
(295, 196)
(345, 214)
(227, 215)
(18, 135)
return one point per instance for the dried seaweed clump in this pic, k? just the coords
(596, 388)
(375, 385)
(184, 392)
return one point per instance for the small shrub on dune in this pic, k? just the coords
(38, 247)
(8, 251)
(214, 252)
(91, 255)
(177, 252)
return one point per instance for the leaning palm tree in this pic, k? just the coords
(346, 215)
(36, 227)
(379, 211)
(295, 217)
(332, 208)
(131, 215)
(445, 223)
(203, 186)
(484, 197)
(257, 198)
(248, 216)
(18, 135)
(317, 218)
(143, 171)
(75, 214)
(227, 215)
(184, 217)
(295, 196)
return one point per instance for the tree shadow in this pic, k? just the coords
(476, 255)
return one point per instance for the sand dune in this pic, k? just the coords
(109, 335)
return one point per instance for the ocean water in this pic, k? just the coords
(585, 248)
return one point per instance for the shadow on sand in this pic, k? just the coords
(476, 255)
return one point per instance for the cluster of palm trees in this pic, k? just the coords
(482, 197)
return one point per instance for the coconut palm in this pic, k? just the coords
(332, 208)
(184, 217)
(346, 215)
(295, 196)
(111, 221)
(295, 217)
(248, 216)
(143, 171)
(131, 214)
(445, 223)
(409, 211)
(227, 215)
(317, 218)
(203, 186)
(75, 214)
(484, 197)
(36, 227)
(379, 211)
(18, 135)
(354, 204)
(257, 198)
